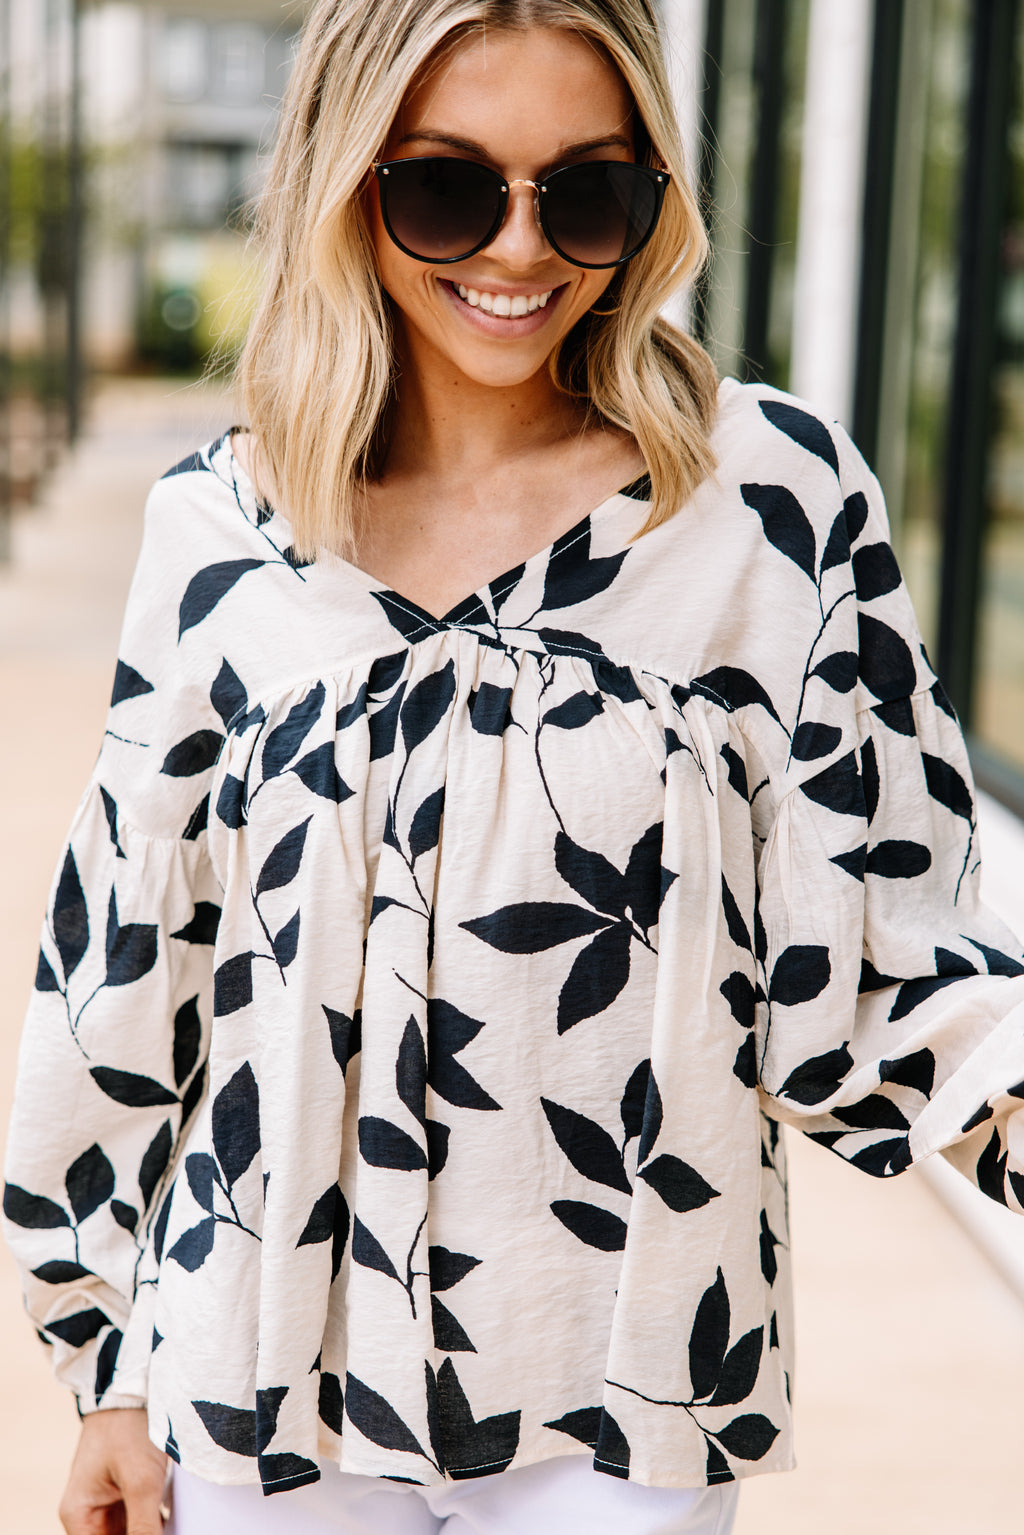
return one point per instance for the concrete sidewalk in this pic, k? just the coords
(911, 1348)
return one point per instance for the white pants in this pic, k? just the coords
(565, 1496)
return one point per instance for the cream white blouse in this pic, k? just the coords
(420, 998)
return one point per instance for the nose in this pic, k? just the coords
(520, 242)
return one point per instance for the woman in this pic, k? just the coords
(427, 973)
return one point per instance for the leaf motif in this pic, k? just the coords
(587, 1145)
(916, 1070)
(737, 770)
(195, 1245)
(60, 1271)
(709, 1338)
(584, 1425)
(202, 925)
(89, 1182)
(131, 1090)
(748, 1437)
(319, 1226)
(490, 709)
(643, 877)
(504, 586)
(996, 961)
(236, 1124)
(838, 787)
(45, 979)
(188, 1033)
(331, 1402)
(206, 589)
(106, 1360)
(598, 1228)
(33, 1211)
(616, 681)
(70, 917)
(411, 1071)
(898, 860)
(651, 1126)
(575, 712)
(598, 974)
(79, 1328)
(785, 523)
(231, 802)
(886, 664)
(768, 1243)
(839, 670)
(568, 582)
(232, 1428)
(530, 927)
(232, 984)
(803, 428)
(677, 1183)
(565, 642)
(745, 1065)
(201, 1172)
(591, 876)
(367, 1251)
(377, 1420)
(193, 755)
(317, 770)
(425, 831)
(801, 973)
(128, 683)
(437, 1147)
(634, 1096)
(468, 1445)
(284, 740)
(739, 1370)
(450, 1337)
(383, 1144)
(282, 862)
(345, 1035)
(946, 786)
(816, 1079)
(733, 689)
(426, 705)
(856, 509)
(717, 1465)
(227, 695)
(286, 942)
(898, 715)
(448, 1268)
(837, 545)
(131, 949)
(733, 920)
(612, 1452)
(874, 1113)
(812, 740)
(875, 571)
(738, 991)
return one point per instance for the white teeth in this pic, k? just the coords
(500, 303)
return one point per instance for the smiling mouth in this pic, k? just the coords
(502, 305)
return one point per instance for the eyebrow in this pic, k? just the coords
(570, 152)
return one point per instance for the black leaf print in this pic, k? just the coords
(206, 589)
(317, 770)
(599, 973)
(70, 917)
(232, 984)
(383, 1144)
(916, 1071)
(154, 1162)
(377, 1420)
(192, 1095)
(490, 709)
(733, 920)
(504, 585)
(128, 683)
(680, 1186)
(345, 1035)
(195, 1245)
(856, 509)
(801, 973)
(268, 1405)
(897, 716)
(738, 991)
(471, 1447)
(817, 1079)
(131, 1090)
(733, 688)
(110, 811)
(875, 571)
(450, 1337)
(89, 1182)
(45, 979)
(874, 1113)
(236, 1123)
(368, 1252)
(280, 1473)
(193, 755)
(286, 942)
(131, 949)
(990, 1171)
(645, 888)
(898, 860)
(160, 1228)
(748, 1437)
(612, 1450)
(884, 1158)
(80, 1328)
(584, 1424)
(650, 1128)
(634, 1096)
(448, 1032)
(591, 876)
(565, 642)
(946, 786)
(227, 695)
(320, 1225)
(284, 740)
(997, 962)
(870, 778)
(745, 1065)
(803, 428)
(60, 1271)
(598, 1228)
(529, 927)
(33, 1211)
(426, 705)
(837, 545)
(839, 670)
(812, 740)
(437, 1147)
(941, 700)
(383, 725)
(201, 1172)
(194, 463)
(282, 862)
(448, 1268)
(411, 1072)
(425, 831)
(737, 770)
(838, 787)
(587, 1145)
(616, 681)
(913, 993)
(717, 1465)
(231, 802)
(709, 1338)
(354, 710)
(340, 1236)
(575, 712)
(331, 1402)
(577, 579)
(739, 1370)
(886, 664)
(853, 862)
(202, 925)
(769, 1263)
(232, 1428)
(786, 524)
(106, 1361)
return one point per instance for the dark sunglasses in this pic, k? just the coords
(596, 214)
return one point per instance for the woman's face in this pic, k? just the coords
(525, 103)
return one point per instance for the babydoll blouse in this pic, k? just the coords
(420, 997)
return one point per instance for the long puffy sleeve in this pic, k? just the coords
(891, 1001)
(112, 1063)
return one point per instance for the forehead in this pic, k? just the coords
(539, 86)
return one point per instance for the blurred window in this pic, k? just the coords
(182, 60)
(238, 62)
(199, 187)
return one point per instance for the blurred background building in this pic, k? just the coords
(862, 167)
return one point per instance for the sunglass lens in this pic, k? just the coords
(600, 214)
(438, 208)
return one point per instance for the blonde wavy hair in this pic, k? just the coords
(317, 370)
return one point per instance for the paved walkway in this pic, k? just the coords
(911, 1348)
